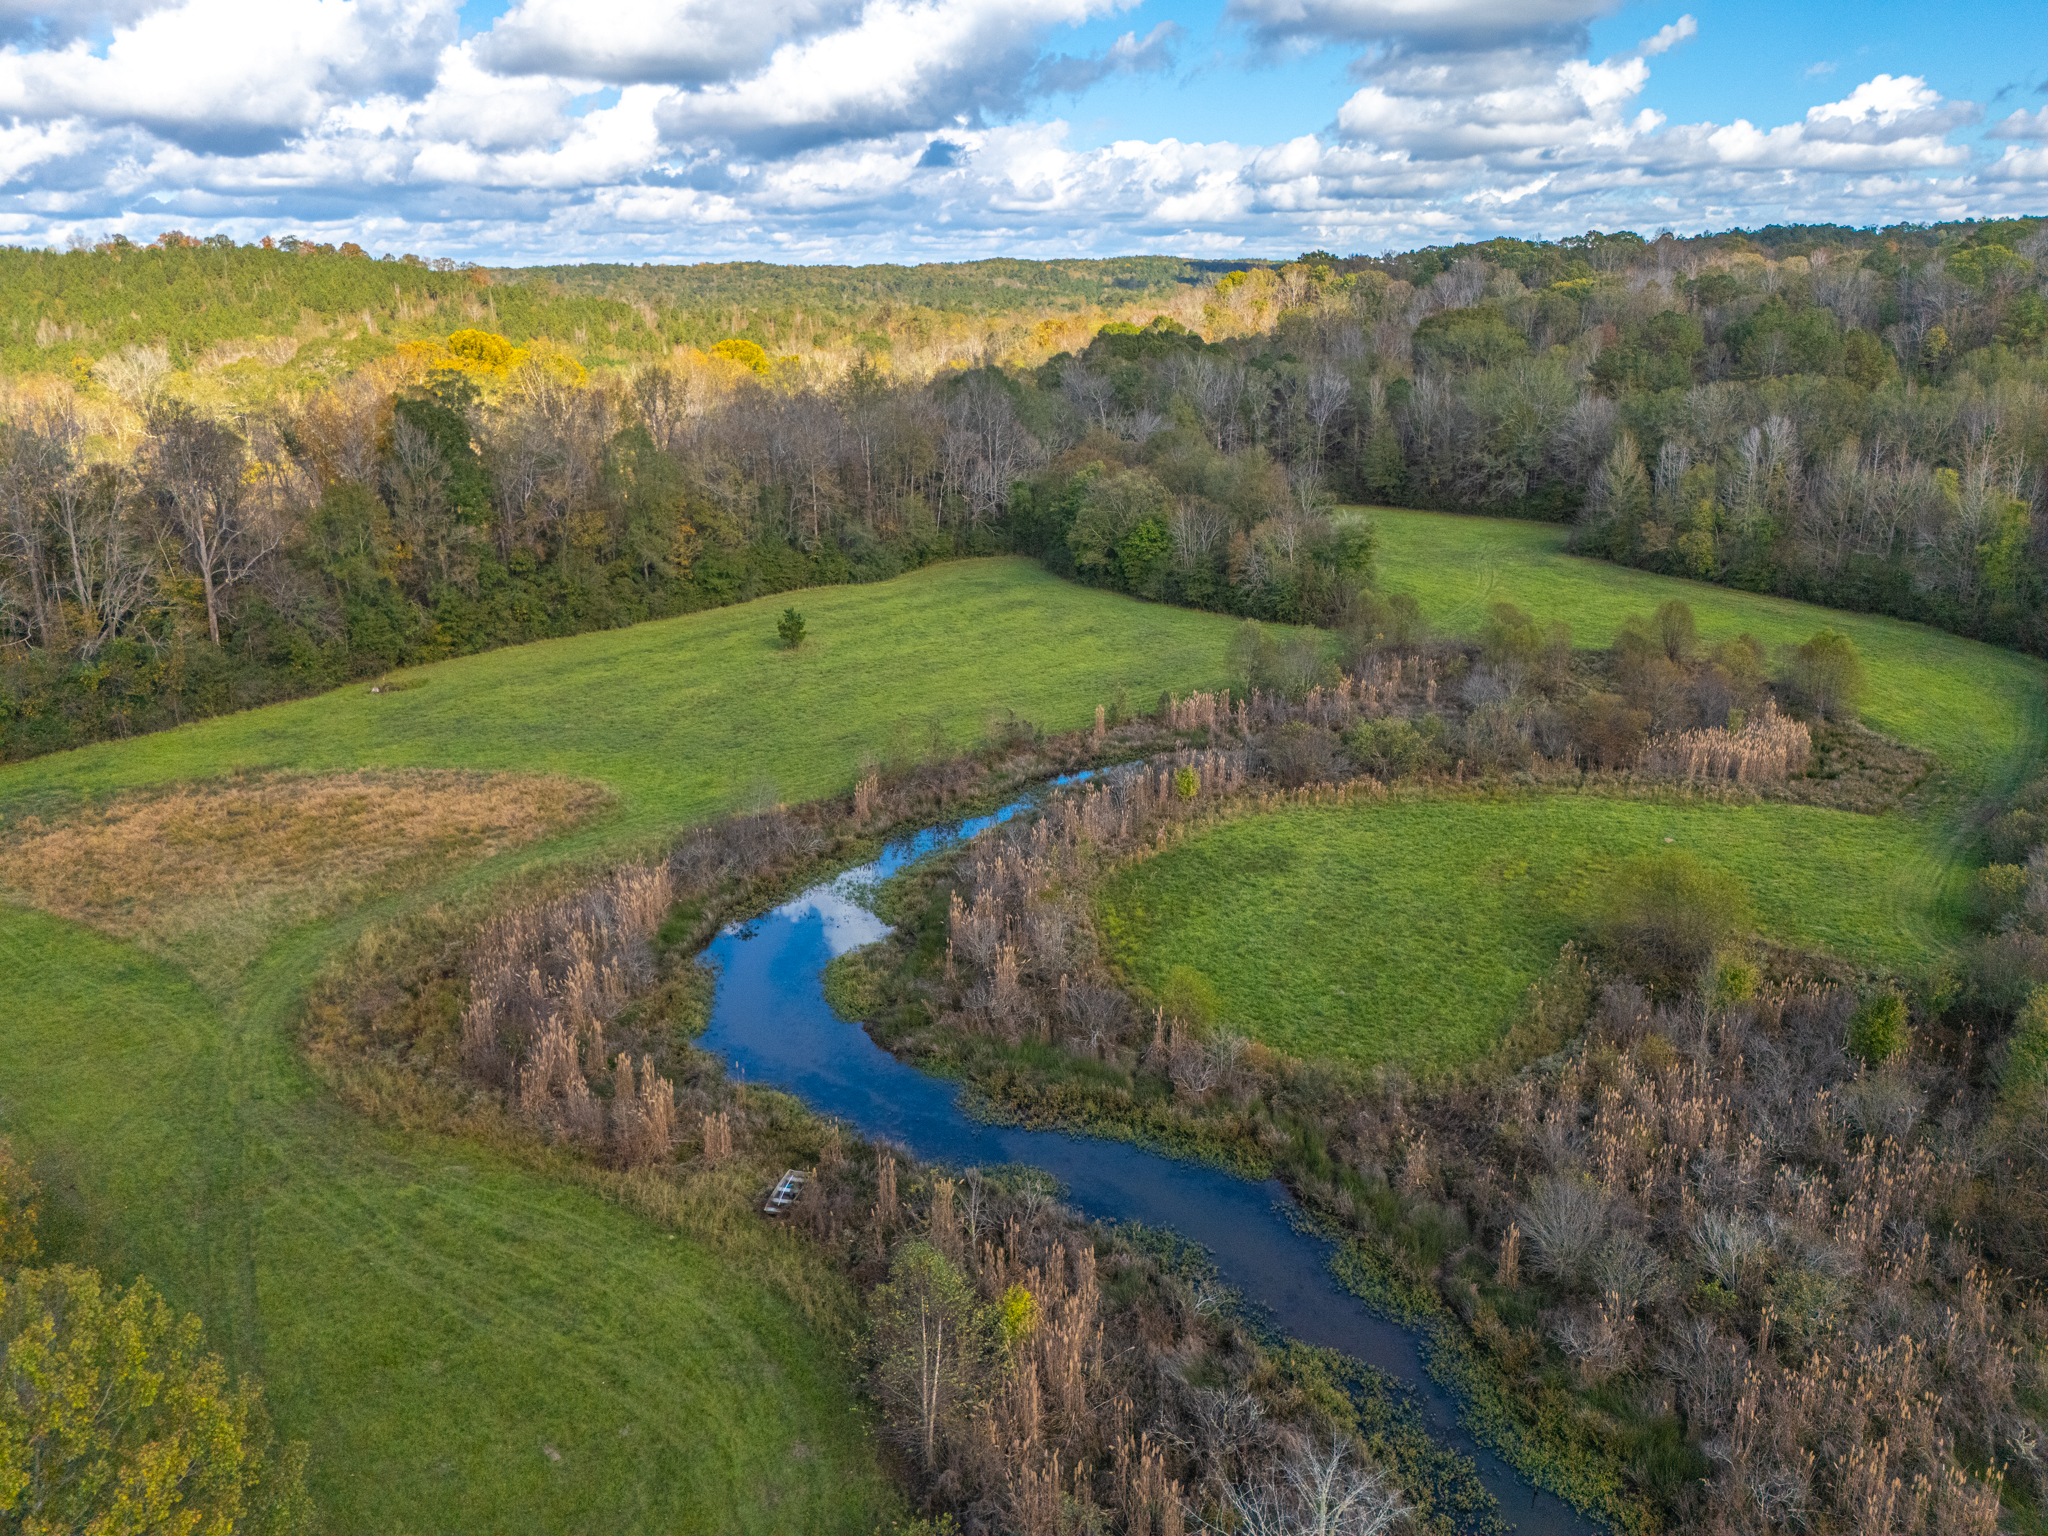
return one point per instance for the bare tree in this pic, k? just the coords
(513, 451)
(669, 403)
(137, 375)
(198, 466)
(340, 429)
(425, 520)
(1322, 399)
(1317, 1492)
(577, 424)
(1217, 391)
(986, 448)
(35, 460)
(107, 566)
(1198, 527)
(805, 445)
(1090, 393)
(1305, 480)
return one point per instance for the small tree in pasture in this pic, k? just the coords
(791, 628)
(1827, 674)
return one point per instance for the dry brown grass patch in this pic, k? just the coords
(208, 872)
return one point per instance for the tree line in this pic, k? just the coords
(1853, 421)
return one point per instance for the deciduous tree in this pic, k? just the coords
(113, 1420)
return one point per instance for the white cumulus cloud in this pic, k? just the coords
(917, 129)
(2021, 125)
(905, 65)
(229, 74)
(693, 42)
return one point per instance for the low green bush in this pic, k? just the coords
(1996, 892)
(2026, 1061)
(1665, 916)
(1879, 1030)
(1393, 748)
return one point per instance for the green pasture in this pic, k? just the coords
(434, 1318)
(1980, 709)
(1408, 931)
(688, 718)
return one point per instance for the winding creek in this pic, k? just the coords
(771, 1024)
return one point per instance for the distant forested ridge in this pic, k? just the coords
(211, 304)
(234, 474)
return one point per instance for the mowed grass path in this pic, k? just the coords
(1409, 931)
(430, 1316)
(433, 1317)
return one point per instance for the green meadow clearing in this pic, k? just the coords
(468, 1343)
(688, 718)
(1409, 931)
(1980, 709)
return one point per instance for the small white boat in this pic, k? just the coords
(787, 1188)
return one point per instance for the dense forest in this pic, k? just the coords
(234, 474)
(302, 311)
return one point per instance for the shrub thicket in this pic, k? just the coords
(1666, 914)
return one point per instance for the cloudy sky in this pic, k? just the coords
(845, 130)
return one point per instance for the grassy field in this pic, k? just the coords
(1407, 932)
(1979, 708)
(431, 1316)
(440, 1322)
(686, 718)
(443, 1323)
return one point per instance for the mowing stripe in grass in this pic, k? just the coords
(429, 1316)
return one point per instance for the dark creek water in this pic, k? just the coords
(772, 1025)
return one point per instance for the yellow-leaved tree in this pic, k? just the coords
(113, 1419)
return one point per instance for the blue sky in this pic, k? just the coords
(842, 130)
